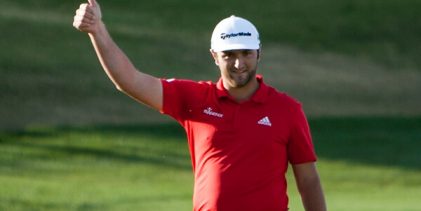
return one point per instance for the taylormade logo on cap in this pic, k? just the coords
(235, 33)
(223, 35)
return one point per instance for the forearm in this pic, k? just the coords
(309, 186)
(113, 60)
(140, 86)
(312, 195)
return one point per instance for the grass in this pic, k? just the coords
(337, 57)
(147, 167)
(121, 168)
(384, 30)
(347, 61)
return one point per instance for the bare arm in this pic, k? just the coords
(140, 86)
(309, 186)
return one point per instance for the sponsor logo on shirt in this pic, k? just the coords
(209, 112)
(265, 121)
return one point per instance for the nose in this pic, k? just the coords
(239, 63)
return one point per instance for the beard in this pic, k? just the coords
(239, 80)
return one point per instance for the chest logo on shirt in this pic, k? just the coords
(209, 112)
(265, 121)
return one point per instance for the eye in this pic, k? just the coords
(227, 54)
(247, 52)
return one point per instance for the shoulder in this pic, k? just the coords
(282, 98)
(186, 83)
(186, 87)
(284, 105)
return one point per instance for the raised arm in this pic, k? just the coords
(140, 86)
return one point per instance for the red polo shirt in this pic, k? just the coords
(239, 151)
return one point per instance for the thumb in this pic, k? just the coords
(92, 2)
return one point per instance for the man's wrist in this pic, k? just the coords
(99, 29)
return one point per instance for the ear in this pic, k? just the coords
(259, 54)
(214, 56)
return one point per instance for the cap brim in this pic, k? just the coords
(235, 47)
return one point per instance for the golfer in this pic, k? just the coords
(242, 133)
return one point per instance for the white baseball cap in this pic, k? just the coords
(235, 33)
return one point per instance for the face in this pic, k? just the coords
(238, 67)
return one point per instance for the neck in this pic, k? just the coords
(244, 93)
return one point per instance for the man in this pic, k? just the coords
(241, 132)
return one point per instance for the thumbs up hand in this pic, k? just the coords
(88, 17)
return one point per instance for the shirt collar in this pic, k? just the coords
(259, 96)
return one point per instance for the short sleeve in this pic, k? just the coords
(178, 96)
(300, 145)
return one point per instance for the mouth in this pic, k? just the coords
(236, 71)
(239, 75)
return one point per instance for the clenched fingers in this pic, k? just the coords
(88, 17)
(85, 18)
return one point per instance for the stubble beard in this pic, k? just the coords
(242, 79)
